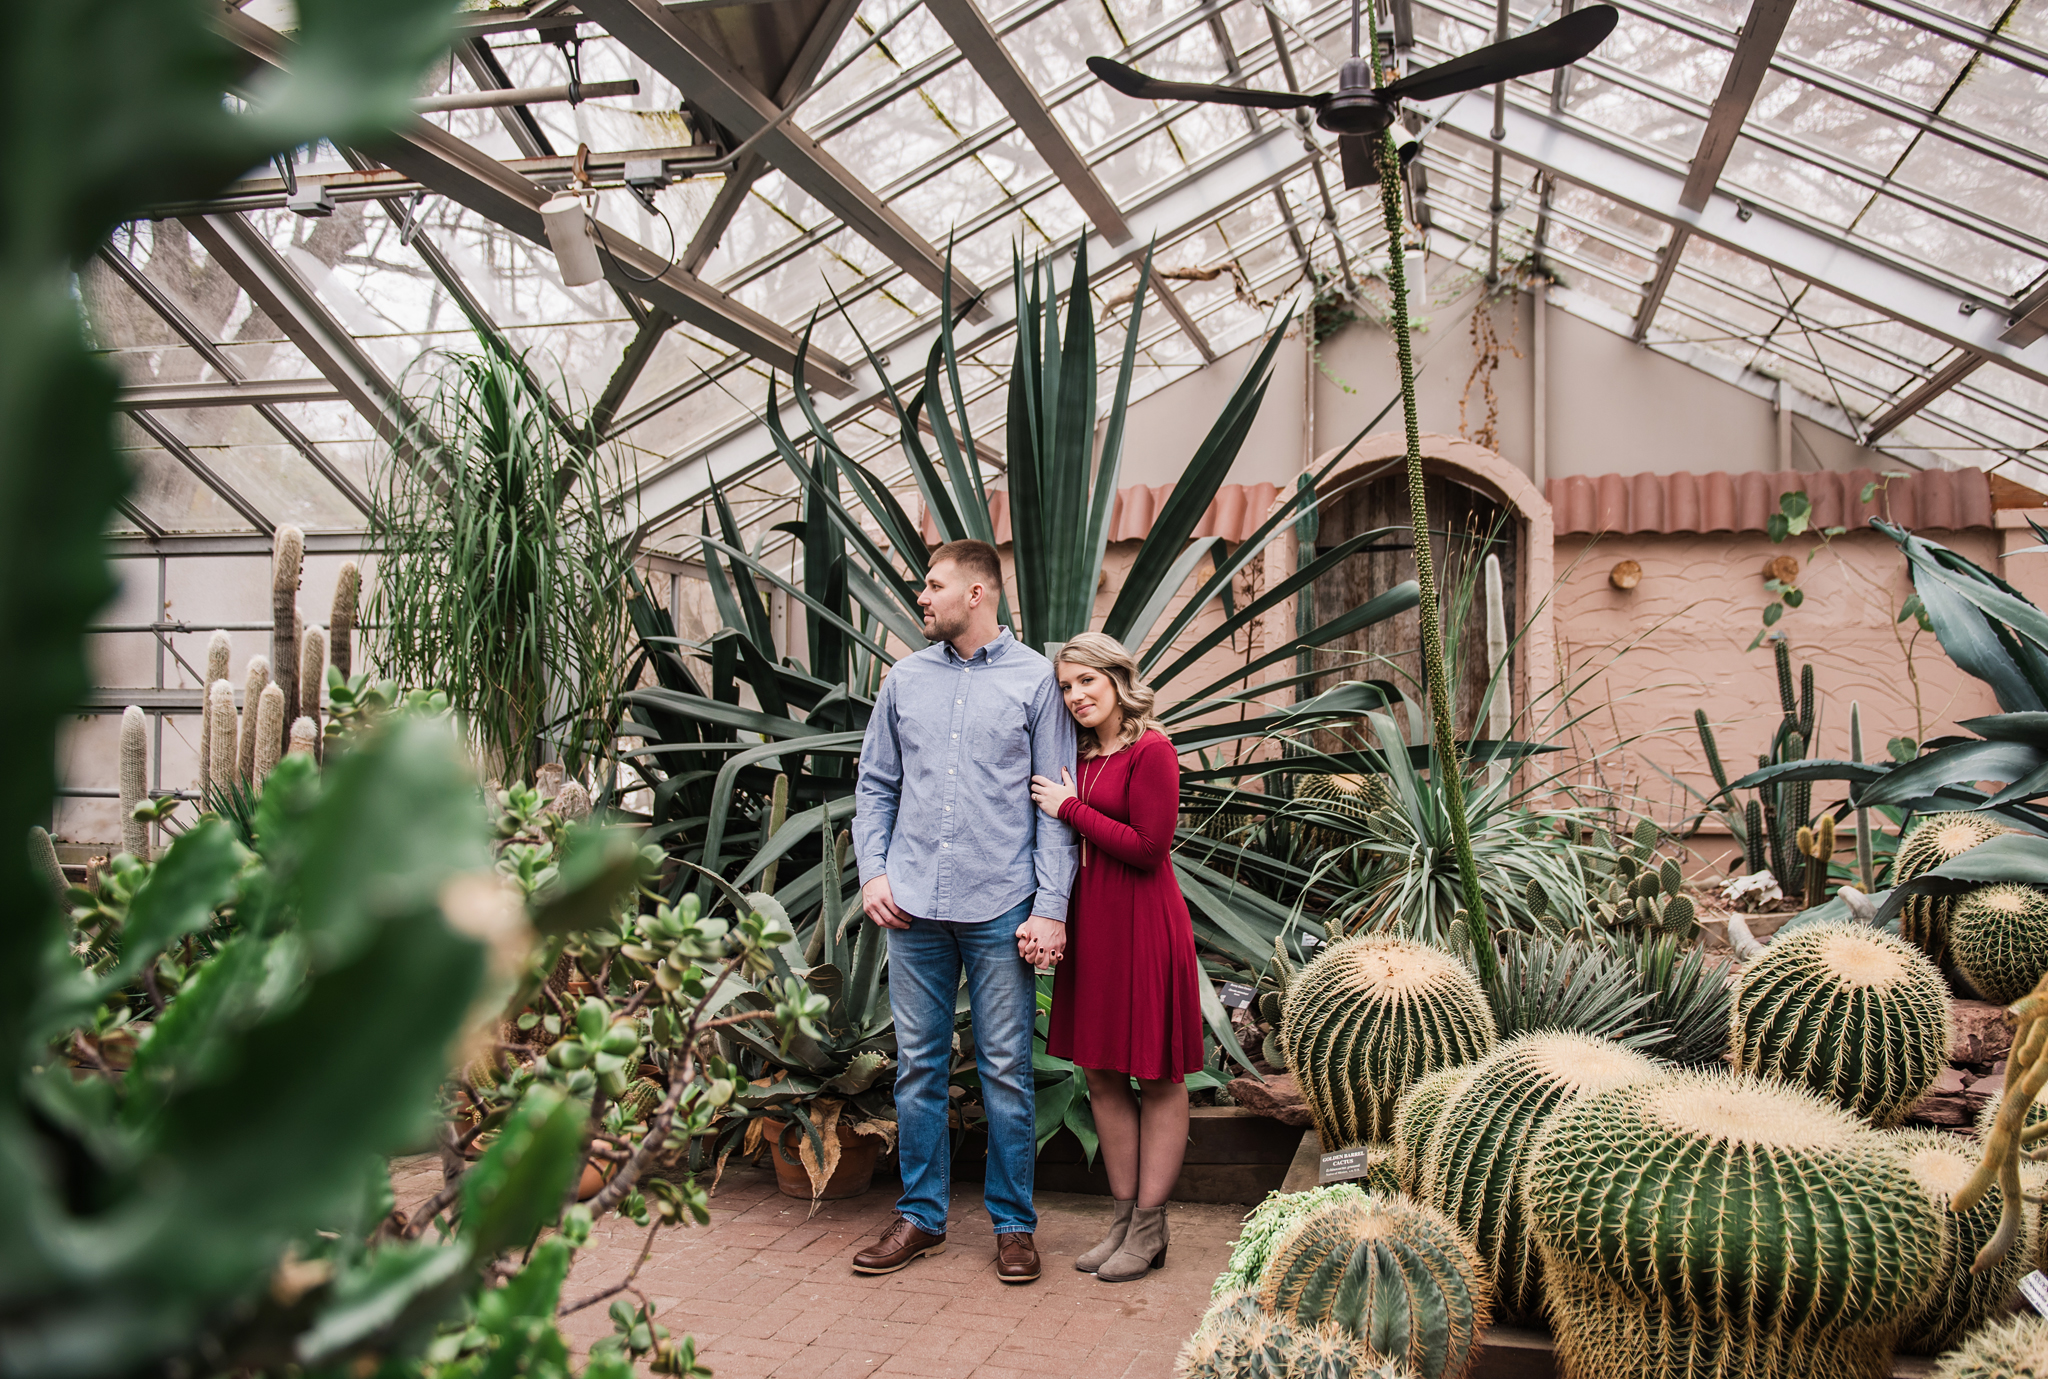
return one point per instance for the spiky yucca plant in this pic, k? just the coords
(1370, 1017)
(1998, 939)
(1393, 1272)
(1857, 1015)
(2012, 1349)
(1415, 1118)
(1961, 1299)
(1263, 1228)
(1933, 840)
(1473, 1160)
(1766, 1233)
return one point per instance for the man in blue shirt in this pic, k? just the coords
(964, 873)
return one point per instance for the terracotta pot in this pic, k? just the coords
(596, 1174)
(854, 1175)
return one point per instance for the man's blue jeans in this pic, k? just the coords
(924, 978)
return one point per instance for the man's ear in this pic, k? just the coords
(976, 592)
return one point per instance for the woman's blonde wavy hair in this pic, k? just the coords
(1100, 651)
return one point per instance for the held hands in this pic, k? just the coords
(1041, 942)
(1051, 796)
(880, 905)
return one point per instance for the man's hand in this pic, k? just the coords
(881, 905)
(1041, 941)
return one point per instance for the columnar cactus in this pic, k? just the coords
(1998, 939)
(1392, 1272)
(305, 738)
(42, 855)
(287, 563)
(1817, 845)
(1367, 1019)
(341, 622)
(2015, 1349)
(1473, 1161)
(134, 781)
(1855, 1014)
(1264, 1227)
(1933, 840)
(219, 647)
(312, 676)
(269, 732)
(1415, 1117)
(253, 682)
(223, 745)
(1764, 1233)
(1961, 1299)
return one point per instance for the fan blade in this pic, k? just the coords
(1359, 155)
(1134, 83)
(1540, 50)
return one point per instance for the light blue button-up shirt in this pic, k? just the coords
(943, 802)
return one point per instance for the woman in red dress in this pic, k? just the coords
(1125, 1003)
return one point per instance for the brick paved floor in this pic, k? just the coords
(766, 1291)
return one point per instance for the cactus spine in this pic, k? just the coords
(253, 683)
(1390, 1271)
(1250, 1345)
(1367, 1019)
(287, 562)
(1998, 939)
(312, 676)
(1857, 1015)
(223, 743)
(341, 621)
(269, 731)
(1961, 1299)
(1765, 1233)
(1327, 1352)
(218, 649)
(1473, 1161)
(305, 738)
(1933, 840)
(2014, 1349)
(134, 781)
(1420, 1108)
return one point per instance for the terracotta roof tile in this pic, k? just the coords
(1934, 499)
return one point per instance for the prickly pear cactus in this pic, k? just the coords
(1961, 1300)
(1415, 1117)
(1855, 1014)
(1368, 1019)
(2014, 1349)
(1766, 1233)
(1933, 840)
(1998, 939)
(1472, 1162)
(1392, 1272)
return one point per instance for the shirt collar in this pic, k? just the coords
(991, 653)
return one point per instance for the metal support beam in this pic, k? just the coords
(670, 47)
(1562, 146)
(1660, 282)
(182, 453)
(481, 62)
(977, 42)
(2028, 319)
(1944, 378)
(139, 397)
(228, 543)
(1747, 69)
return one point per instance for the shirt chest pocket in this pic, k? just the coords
(998, 734)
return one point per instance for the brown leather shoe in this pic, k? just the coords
(1016, 1258)
(901, 1244)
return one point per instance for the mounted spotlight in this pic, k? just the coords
(572, 234)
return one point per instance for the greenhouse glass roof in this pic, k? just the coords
(1850, 197)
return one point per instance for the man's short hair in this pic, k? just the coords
(976, 559)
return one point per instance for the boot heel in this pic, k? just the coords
(1159, 1260)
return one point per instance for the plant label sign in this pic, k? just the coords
(1235, 995)
(1345, 1166)
(2034, 1288)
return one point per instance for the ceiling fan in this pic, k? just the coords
(1358, 109)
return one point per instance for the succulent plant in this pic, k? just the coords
(1688, 1005)
(1391, 1271)
(269, 732)
(1961, 1299)
(219, 648)
(1933, 840)
(222, 740)
(341, 621)
(1250, 1345)
(1817, 845)
(305, 737)
(1370, 1017)
(287, 565)
(1267, 1222)
(2014, 1349)
(1855, 1014)
(1472, 1162)
(1328, 1352)
(1415, 1117)
(1765, 1233)
(1998, 939)
(42, 855)
(253, 681)
(134, 781)
(312, 676)
(1353, 797)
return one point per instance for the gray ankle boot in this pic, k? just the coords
(1111, 1243)
(1144, 1248)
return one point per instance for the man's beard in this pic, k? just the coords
(937, 629)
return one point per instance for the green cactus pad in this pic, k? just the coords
(1933, 840)
(2015, 1349)
(1268, 1222)
(1998, 940)
(1961, 1300)
(1367, 1020)
(1855, 1014)
(1415, 1117)
(1472, 1163)
(1764, 1233)
(1272, 1051)
(1391, 1271)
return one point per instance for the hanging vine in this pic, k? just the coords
(1486, 352)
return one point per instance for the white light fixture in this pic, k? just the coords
(1412, 259)
(573, 237)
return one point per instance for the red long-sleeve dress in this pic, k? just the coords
(1125, 997)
